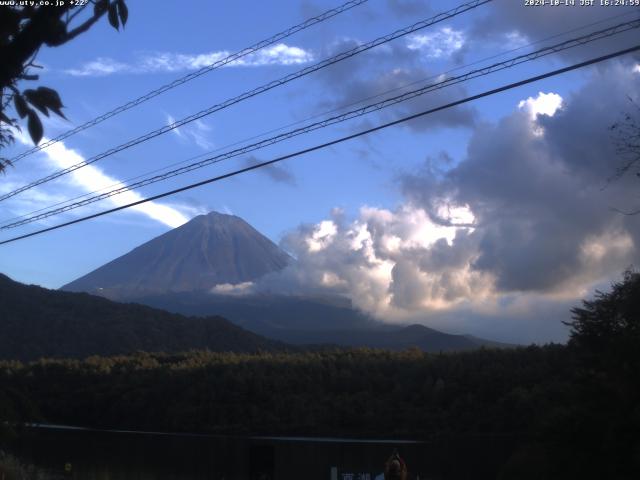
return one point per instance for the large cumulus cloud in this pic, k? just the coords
(509, 238)
(392, 264)
(545, 221)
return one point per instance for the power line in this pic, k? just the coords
(336, 141)
(416, 82)
(341, 118)
(327, 112)
(252, 93)
(509, 63)
(179, 81)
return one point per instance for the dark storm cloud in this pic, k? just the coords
(576, 134)
(543, 219)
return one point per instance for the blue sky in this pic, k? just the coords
(388, 184)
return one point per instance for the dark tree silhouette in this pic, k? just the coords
(626, 138)
(23, 31)
(609, 324)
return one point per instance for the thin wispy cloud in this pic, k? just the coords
(198, 133)
(443, 43)
(163, 62)
(91, 178)
(100, 67)
(28, 202)
(515, 39)
(277, 173)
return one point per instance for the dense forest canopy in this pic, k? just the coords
(37, 322)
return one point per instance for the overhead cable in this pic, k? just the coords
(334, 142)
(355, 113)
(314, 116)
(187, 78)
(257, 91)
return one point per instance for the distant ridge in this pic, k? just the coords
(208, 250)
(303, 320)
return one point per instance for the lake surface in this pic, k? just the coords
(116, 455)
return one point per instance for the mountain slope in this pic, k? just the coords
(314, 320)
(208, 250)
(36, 322)
(267, 312)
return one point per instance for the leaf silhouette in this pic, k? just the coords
(123, 11)
(21, 105)
(113, 16)
(50, 98)
(34, 99)
(35, 127)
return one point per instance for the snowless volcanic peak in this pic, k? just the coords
(208, 250)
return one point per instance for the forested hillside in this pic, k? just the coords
(36, 322)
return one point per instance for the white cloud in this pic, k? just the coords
(99, 67)
(442, 43)
(232, 289)
(91, 178)
(544, 104)
(322, 236)
(377, 260)
(280, 54)
(515, 39)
